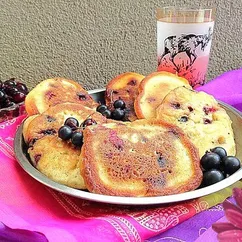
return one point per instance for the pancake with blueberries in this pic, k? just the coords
(152, 91)
(200, 116)
(123, 87)
(53, 118)
(54, 140)
(140, 158)
(58, 160)
(54, 91)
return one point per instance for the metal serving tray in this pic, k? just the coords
(98, 94)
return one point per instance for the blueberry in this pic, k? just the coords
(88, 122)
(107, 113)
(231, 164)
(183, 119)
(65, 132)
(211, 177)
(210, 160)
(77, 139)
(176, 105)
(101, 108)
(81, 96)
(118, 114)
(72, 123)
(119, 104)
(220, 151)
(207, 121)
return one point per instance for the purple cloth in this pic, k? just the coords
(210, 234)
(192, 228)
(226, 88)
(195, 228)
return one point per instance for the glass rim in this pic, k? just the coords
(192, 9)
(177, 14)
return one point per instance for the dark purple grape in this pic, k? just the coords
(10, 82)
(231, 164)
(18, 97)
(212, 176)
(118, 114)
(10, 90)
(101, 108)
(119, 104)
(88, 122)
(3, 96)
(65, 132)
(210, 160)
(72, 123)
(7, 103)
(22, 87)
(77, 138)
(107, 113)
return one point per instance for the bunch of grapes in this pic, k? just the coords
(12, 95)
(12, 91)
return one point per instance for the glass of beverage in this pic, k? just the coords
(184, 39)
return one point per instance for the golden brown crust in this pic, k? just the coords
(27, 121)
(54, 91)
(152, 89)
(142, 158)
(125, 87)
(53, 118)
(58, 160)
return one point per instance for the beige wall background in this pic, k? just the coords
(94, 40)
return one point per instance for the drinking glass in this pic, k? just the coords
(184, 38)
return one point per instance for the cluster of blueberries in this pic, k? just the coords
(217, 166)
(72, 131)
(117, 114)
(12, 91)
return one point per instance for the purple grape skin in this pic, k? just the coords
(22, 87)
(10, 82)
(3, 96)
(10, 90)
(7, 103)
(18, 97)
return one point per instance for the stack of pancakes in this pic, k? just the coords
(156, 151)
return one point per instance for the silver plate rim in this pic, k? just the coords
(27, 166)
